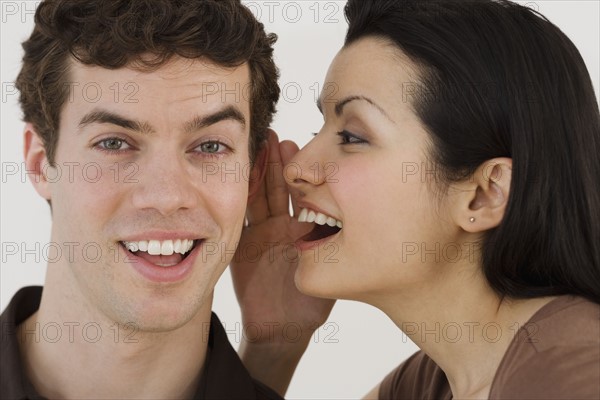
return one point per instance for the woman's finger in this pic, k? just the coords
(288, 150)
(276, 188)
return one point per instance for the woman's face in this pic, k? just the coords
(367, 168)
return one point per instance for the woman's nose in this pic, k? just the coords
(306, 168)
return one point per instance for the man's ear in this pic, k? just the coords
(36, 161)
(259, 169)
(481, 200)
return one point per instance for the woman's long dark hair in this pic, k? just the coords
(499, 80)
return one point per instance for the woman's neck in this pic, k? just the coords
(463, 326)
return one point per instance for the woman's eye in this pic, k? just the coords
(350, 138)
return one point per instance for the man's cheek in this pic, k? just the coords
(234, 204)
(224, 173)
(232, 199)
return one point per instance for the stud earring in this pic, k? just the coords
(472, 219)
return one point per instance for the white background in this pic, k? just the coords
(359, 345)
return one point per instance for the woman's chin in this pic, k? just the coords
(320, 280)
(310, 280)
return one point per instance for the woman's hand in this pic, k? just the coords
(278, 320)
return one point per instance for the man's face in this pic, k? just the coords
(151, 157)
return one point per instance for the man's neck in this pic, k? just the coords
(68, 353)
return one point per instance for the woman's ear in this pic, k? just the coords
(481, 200)
(36, 161)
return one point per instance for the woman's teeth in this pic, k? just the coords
(162, 247)
(307, 215)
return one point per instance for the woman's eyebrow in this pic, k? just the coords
(339, 106)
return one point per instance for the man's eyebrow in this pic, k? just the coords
(228, 113)
(339, 106)
(197, 123)
(108, 117)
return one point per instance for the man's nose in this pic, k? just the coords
(165, 185)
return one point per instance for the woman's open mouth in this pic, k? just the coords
(325, 226)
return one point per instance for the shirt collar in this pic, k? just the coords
(224, 376)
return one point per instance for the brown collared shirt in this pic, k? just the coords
(224, 375)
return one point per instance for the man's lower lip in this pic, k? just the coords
(158, 274)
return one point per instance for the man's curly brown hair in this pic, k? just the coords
(117, 33)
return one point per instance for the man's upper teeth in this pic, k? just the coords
(162, 247)
(307, 215)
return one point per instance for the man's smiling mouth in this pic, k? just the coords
(163, 253)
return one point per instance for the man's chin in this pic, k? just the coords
(159, 315)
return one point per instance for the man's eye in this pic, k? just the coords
(112, 144)
(212, 147)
